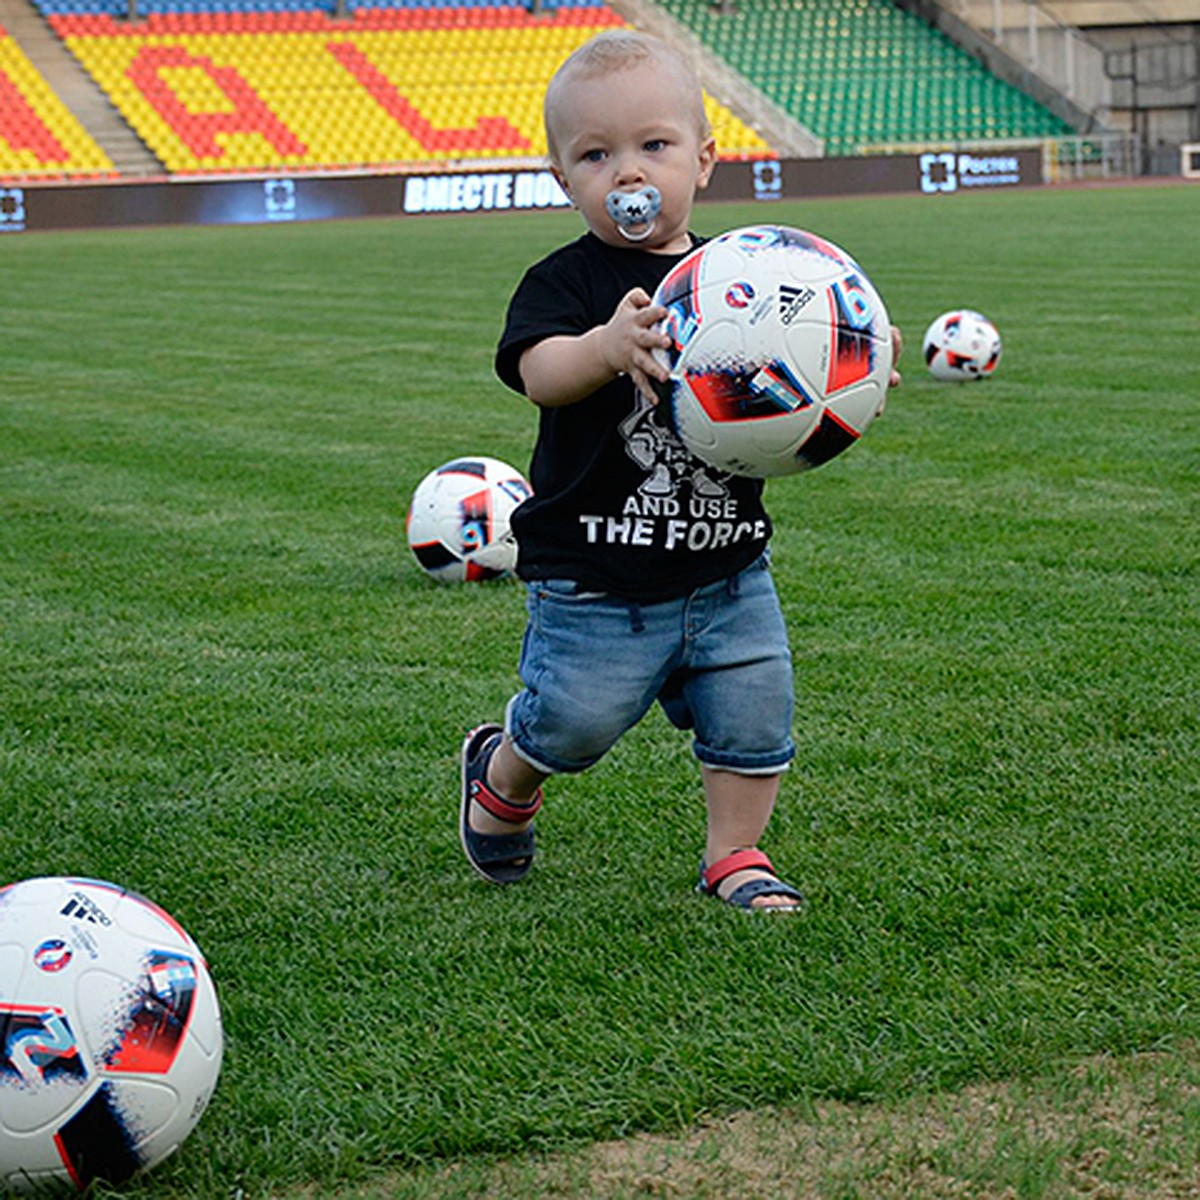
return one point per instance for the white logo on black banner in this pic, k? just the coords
(279, 197)
(768, 179)
(938, 173)
(948, 172)
(12, 209)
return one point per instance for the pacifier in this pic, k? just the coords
(633, 209)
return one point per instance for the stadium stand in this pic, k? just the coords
(864, 73)
(237, 86)
(38, 135)
(215, 88)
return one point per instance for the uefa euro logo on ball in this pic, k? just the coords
(110, 1034)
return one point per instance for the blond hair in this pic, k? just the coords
(614, 51)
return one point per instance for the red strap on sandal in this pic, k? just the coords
(739, 860)
(505, 810)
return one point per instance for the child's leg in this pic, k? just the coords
(739, 807)
(510, 776)
(591, 667)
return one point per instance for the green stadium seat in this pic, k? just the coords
(861, 73)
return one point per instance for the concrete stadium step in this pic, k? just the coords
(76, 89)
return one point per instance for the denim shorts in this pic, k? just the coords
(717, 661)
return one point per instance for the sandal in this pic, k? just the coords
(744, 895)
(498, 857)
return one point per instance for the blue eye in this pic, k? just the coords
(593, 156)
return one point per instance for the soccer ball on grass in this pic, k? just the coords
(960, 345)
(458, 519)
(110, 1034)
(781, 351)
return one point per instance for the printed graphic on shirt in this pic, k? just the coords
(679, 504)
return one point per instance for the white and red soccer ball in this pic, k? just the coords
(458, 519)
(961, 345)
(781, 351)
(110, 1034)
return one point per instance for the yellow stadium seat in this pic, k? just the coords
(241, 92)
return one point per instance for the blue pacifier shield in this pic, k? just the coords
(631, 210)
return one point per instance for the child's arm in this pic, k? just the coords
(561, 370)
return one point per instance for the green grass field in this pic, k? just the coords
(227, 685)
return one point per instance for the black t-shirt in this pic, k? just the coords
(619, 505)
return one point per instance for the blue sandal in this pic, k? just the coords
(497, 857)
(744, 896)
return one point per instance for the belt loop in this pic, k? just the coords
(636, 621)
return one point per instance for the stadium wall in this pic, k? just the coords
(279, 198)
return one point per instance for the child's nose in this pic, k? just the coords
(629, 170)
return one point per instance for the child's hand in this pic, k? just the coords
(895, 377)
(629, 339)
(897, 349)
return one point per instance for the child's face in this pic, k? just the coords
(627, 130)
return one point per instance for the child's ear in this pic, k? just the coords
(707, 162)
(561, 180)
